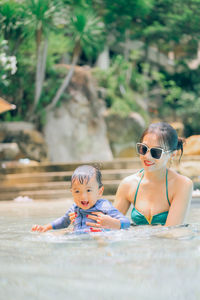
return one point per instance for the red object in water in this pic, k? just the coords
(95, 229)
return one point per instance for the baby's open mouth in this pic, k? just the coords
(85, 203)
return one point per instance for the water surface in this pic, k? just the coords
(143, 262)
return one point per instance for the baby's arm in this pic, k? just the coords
(117, 215)
(109, 218)
(62, 222)
(72, 216)
(103, 221)
(41, 228)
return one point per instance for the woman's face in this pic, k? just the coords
(150, 163)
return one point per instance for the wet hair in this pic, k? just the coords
(167, 136)
(84, 173)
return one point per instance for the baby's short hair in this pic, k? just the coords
(85, 172)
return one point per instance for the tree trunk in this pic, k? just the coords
(145, 74)
(67, 79)
(103, 60)
(126, 44)
(40, 71)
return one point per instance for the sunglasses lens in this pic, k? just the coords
(141, 149)
(156, 153)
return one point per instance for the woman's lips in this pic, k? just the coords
(148, 163)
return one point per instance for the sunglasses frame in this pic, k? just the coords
(149, 149)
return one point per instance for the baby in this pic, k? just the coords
(89, 212)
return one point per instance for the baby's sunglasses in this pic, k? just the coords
(156, 152)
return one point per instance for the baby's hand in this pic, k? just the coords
(72, 217)
(103, 221)
(41, 228)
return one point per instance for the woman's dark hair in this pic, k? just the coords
(167, 136)
(85, 172)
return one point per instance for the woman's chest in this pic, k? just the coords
(151, 199)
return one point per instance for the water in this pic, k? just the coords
(142, 263)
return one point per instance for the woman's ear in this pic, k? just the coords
(172, 156)
(174, 153)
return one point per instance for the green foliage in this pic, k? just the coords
(8, 117)
(86, 28)
(122, 16)
(182, 100)
(54, 79)
(178, 98)
(120, 96)
(60, 48)
(11, 18)
(171, 23)
(89, 26)
(40, 15)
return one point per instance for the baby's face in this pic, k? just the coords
(86, 195)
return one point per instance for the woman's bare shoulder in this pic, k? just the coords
(125, 192)
(179, 180)
(130, 181)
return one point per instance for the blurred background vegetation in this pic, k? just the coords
(145, 55)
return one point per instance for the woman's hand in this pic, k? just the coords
(103, 221)
(41, 228)
(72, 217)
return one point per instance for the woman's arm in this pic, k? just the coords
(121, 200)
(181, 201)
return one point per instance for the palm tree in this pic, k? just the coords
(36, 18)
(87, 32)
(40, 20)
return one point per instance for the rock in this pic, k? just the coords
(32, 145)
(16, 126)
(76, 131)
(189, 168)
(2, 135)
(128, 152)
(30, 141)
(192, 145)
(9, 151)
(124, 133)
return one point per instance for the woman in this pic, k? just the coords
(159, 195)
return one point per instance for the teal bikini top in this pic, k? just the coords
(140, 219)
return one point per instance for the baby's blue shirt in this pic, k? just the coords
(102, 205)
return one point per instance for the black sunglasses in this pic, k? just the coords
(156, 152)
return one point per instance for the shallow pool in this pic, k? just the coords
(141, 263)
